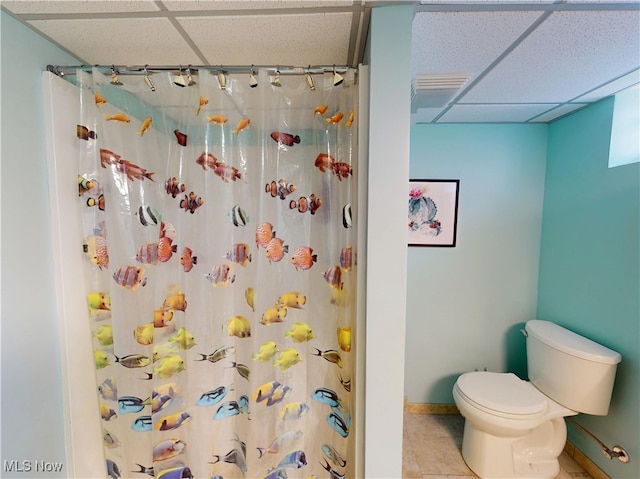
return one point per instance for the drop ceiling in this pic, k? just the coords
(521, 61)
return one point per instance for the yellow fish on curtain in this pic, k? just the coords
(222, 272)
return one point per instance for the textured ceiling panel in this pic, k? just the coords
(459, 42)
(523, 56)
(569, 54)
(100, 6)
(611, 88)
(151, 41)
(177, 5)
(314, 39)
(562, 110)
(492, 113)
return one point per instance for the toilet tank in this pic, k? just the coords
(570, 369)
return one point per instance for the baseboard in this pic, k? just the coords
(587, 464)
(572, 451)
(421, 408)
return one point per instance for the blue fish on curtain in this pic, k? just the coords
(221, 271)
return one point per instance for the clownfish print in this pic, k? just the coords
(303, 204)
(282, 188)
(173, 187)
(191, 202)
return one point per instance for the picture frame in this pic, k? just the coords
(433, 212)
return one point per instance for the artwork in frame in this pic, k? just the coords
(433, 212)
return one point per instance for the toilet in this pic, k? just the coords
(515, 428)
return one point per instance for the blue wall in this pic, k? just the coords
(590, 267)
(32, 411)
(466, 305)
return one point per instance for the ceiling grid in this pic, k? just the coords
(527, 61)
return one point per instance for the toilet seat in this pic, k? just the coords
(502, 394)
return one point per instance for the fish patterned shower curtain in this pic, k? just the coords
(221, 264)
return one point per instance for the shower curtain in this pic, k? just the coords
(221, 267)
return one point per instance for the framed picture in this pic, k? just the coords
(433, 212)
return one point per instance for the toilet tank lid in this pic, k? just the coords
(571, 343)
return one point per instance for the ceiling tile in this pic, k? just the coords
(56, 6)
(492, 113)
(558, 112)
(611, 88)
(152, 41)
(178, 5)
(569, 54)
(314, 39)
(458, 42)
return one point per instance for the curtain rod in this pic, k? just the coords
(143, 69)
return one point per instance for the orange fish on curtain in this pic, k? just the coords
(161, 250)
(250, 340)
(131, 170)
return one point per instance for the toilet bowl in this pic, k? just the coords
(508, 418)
(515, 428)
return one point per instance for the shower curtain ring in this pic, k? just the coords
(310, 82)
(337, 78)
(147, 79)
(179, 81)
(114, 76)
(190, 81)
(253, 82)
(276, 80)
(222, 79)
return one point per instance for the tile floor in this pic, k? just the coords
(432, 444)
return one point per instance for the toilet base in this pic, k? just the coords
(492, 457)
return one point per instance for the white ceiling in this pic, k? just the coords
(526, 60)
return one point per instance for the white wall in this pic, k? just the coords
(389, 116)
(32, 419)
